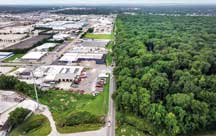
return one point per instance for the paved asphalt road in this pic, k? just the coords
(111, 114)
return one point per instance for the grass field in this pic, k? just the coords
(63, 103)
(13, 57)
(98, 36)
(108, 59)
(99, 106)
(36, 125)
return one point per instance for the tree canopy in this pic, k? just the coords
(165, 71)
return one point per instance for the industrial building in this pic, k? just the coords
(58, 73)
(62, 25)
(86, 50)
(59, 37)
(83, 49)
(93, 43)
(45, 47)
(34, 56)
(99, 58)
(102, 25)
(5, 55)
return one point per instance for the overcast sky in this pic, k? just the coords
(3, 2)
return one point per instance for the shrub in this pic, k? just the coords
(17, 116)
(33, 125)
(81, 118)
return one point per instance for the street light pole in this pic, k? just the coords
(35, 89)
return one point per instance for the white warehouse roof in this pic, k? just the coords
(46, 46)
(70, 57)
(56, 72)
(60, 36)
(34, 55)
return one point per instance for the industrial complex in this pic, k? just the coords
(52, 52)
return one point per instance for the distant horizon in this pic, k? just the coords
(107, 2)
(115, 4)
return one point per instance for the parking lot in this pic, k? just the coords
(88, 84)
(28, 43)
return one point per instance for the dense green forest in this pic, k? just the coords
(153, 9)
(165, 72)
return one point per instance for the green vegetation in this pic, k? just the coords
(17, 116)
(35, 125)
(132, 123)
(127, 130)
(98, 36)
(110, 45)
(165, 73)
(109, 59)
(12, 83)
(79, 128)
(66, 105)
(15, 56)
(90, 30)
(99, 106)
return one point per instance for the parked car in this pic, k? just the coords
(109, 123)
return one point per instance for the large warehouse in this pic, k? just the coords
(99, 58)
(45, 47)
(34, 56)
(58, 73)
(93, 43)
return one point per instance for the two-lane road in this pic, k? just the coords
(111, 114)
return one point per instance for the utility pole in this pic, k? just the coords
(35, 89)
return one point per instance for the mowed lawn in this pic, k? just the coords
(15, 56)
(98, 36)
(63, 103)
(35, 125)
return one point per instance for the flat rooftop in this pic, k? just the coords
(93, 43)
(83, 49)
(71, 57)
(5, 53)
(46, 46)
(33, 55)
(54, 72)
